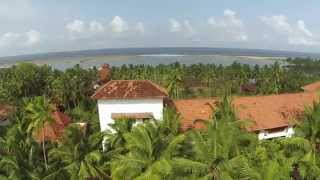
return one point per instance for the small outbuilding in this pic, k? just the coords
(5, 111)
(52, 131)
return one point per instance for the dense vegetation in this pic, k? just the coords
(73, 86)
(154, 150)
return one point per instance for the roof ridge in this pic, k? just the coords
(158, 91)
(158, 87)
(99, 89)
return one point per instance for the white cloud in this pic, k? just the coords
(33, 37)
(95, 30)
(118, 25)
(140, 27)
(296, 34)
(175, 26)
(96, 27)
(278, 23)
(228, 12)
(302, 27)
(229, 19)
(228, 27)
(185, 27)
(77, 26)
(9, 39)
(189, 28)
(12, 39)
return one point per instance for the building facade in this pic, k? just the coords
(138, 100)
(111, 110)
(271, 116)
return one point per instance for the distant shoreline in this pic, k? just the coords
(163, 51)
(155, 59)
(126, 57)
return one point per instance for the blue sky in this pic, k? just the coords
(35, 26)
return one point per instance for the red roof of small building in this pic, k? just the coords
(130, 89)
(5, 110)
(312, 87)
(104, 74)
(54, 130)
(266, 112)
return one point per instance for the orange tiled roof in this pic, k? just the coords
(194, 109)
(53, 131)
(131, 89)
(266, 112)
(312, 87)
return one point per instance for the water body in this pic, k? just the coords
(155, 60)
(154, 56)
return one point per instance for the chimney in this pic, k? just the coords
(104, 74)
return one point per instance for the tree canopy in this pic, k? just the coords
(155, 149)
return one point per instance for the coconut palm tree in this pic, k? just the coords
(39, 112)
(148, 156)
(309, 127)
(174, 83)
(78, 155)
(114, 141)
(217, 153)
(217, 150)
(18, 154)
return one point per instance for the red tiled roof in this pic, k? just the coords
(53, 131)
(266, 112)
(312, 87)
(130, 89)
(194, 109)
(131, 115)
(5, 110)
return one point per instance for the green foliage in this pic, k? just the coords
(73, 86)
(20, 155)
(78, 155)
(148, 154)
(154, 150)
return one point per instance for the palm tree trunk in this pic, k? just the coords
(44, 149)
(314, 153)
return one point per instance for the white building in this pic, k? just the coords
(271, 116)
(129, 99)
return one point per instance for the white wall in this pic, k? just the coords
(107, 107)
(285, 132)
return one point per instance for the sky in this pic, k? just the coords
(37, 26)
